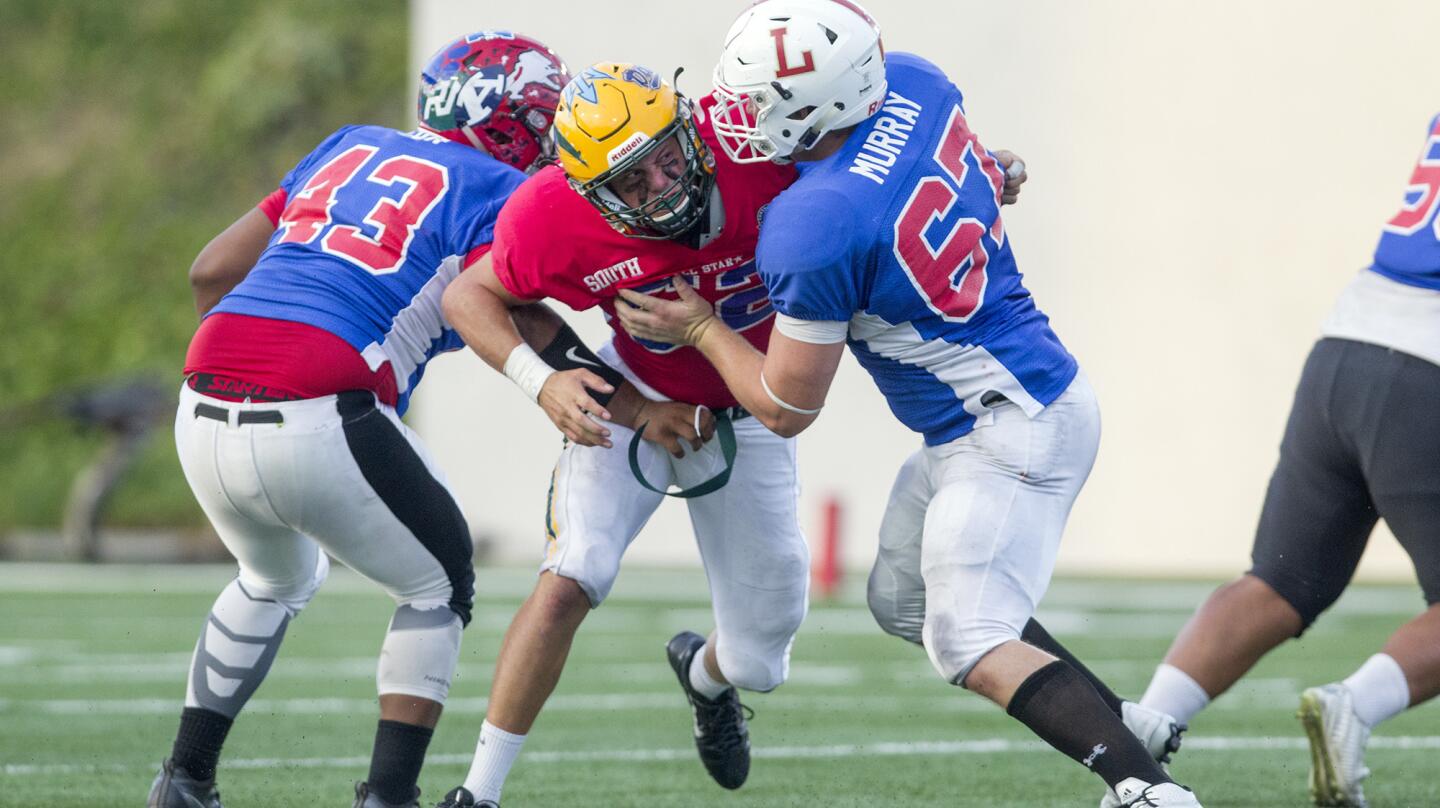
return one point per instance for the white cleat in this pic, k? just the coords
(1159, 732)
(1337, 746)
(1136, 793)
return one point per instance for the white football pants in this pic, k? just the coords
(755, 555)
(969, 539)
(344, 474)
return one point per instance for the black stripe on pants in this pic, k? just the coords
(411, 492)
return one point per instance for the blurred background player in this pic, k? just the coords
(638, 198)
(1362, 444)
(892, 238)
(288, 428)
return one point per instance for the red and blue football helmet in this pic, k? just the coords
(496, 91)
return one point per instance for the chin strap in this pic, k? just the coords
(724, 432)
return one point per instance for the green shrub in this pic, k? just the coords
(134, 132)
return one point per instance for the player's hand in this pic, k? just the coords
(677, 322)
(673, 424)
(1015, 175)
(567, 401)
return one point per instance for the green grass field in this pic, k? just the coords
(92, 661)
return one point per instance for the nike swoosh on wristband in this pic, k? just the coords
(573, 355)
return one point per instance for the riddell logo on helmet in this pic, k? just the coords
(628, 147)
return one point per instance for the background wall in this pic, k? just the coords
(1205, 179)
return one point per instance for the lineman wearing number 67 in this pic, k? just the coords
(643, 195)
(891, 240)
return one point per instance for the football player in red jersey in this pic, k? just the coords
(641, 196)
(321, 308)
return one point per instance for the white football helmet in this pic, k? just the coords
(793, 70)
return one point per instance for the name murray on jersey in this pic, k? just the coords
(882, 147)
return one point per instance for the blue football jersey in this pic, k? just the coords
(376, 224)
(1409, 249)
(899, 233)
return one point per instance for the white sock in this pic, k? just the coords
(1172, 691)
(1379, 689)
(494, 755)
(700, 677)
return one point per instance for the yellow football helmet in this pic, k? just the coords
(610, 118)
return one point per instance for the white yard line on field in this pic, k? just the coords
(986, 746)
(1258, 695)
(651, 584)
(474, 706)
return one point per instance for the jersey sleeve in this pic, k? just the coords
(313, 159)
(525, 254)
(807, 256)
(273, 205)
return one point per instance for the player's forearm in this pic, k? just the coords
(537, 323)
(627, 405)
(207, 295)
(212, 278)
(741, 366)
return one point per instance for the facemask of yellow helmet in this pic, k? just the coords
(628, 143)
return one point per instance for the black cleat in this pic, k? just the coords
(175, 788)
(721, 735)
(365, 798)
(462, 798)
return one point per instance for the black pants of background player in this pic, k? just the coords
(1362, 443)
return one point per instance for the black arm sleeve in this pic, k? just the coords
(567, 352)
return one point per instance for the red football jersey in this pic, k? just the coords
(551, 243)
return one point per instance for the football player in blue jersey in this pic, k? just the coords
(891, 240)
(1362, 444)
(321, 308)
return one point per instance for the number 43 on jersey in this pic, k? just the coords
(391, 222)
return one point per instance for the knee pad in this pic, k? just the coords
(896, 611)
(420, 652)
(956, 644)
(237, 646)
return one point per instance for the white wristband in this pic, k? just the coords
(529, 372)
(783, 405)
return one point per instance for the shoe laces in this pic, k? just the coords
(453, 799)
(1143, 800)
(1172, 744)
(722, 719)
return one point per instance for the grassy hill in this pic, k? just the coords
(133, 133)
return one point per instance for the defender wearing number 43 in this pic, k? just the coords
(891, 240)
(289, 427)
